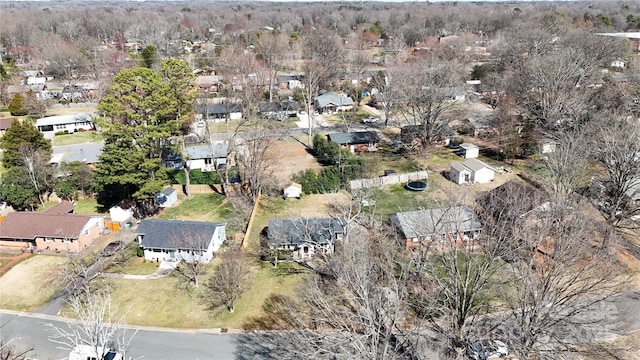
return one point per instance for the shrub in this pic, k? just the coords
(17, 105)
(140, 252)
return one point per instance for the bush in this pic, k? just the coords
(63, 132)
(17, 105)
(140, 252)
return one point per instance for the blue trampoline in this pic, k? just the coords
(416, 185)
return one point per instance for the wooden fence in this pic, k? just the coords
(388, 180)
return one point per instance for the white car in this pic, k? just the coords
(369, 120)
(485, 350)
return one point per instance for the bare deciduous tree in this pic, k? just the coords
(616, 146)
(10, 352)
(428, 89)
(558, 297)
(230, 278)
(96, 323)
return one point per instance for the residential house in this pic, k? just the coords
(167, 197)
(5, 124)
(52, 230)
(293, 190)
(468, 151)
(332, 102)
(359, 141)
(290, 81)
(209, 83)
(88, 153)
(180, 240)
(412, 134)
(471, 171)
(305, 237)
(506, 202)
(220, 112)
(207, 157)
(70, 123)
(279, 110)
(203, 157)
(457, 223)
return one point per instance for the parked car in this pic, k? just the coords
(370, 119)
(484, 350)
(112, 248)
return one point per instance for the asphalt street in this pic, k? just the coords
(29, 331)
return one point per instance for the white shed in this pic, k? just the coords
(471, 171)
(167, 197)
(121, 215)
(469, 151)
(293, 190)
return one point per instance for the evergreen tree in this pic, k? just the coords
(19, 136)
(149, 56)
(140, 115)
(16, 105)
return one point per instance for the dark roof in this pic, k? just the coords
(87, 153)
(176, 234)
(29, 225)
(360, 137)
(433, 222)
(168, 191)
(301, 230)
(219, 109)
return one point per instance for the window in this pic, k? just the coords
(67, 241)
(208, 161)
(86, 232)
(49, 239)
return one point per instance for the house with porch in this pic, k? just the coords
(331, 102)
(305, 237)
(355, 142)
(53, 230)
(454, 224)
(180, 240)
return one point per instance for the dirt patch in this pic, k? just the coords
(290, 157)
(30, 283)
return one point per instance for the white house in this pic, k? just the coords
(207, 157)
(469, 151)
(471, 171)
(293, 190)
(70, 123)
(180, 240)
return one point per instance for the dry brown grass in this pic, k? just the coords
(28, 285)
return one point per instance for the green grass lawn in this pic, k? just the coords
(88, 206)
(76, 138)
(204, 207)
(173, 306)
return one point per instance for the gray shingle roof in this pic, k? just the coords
(433, 222)
(205, 151)
(64, 119)
(360, 137)
(474, 164)
(301, 230)
(176, 234)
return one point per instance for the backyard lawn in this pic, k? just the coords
(201, 207)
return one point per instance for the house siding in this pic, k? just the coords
(91, 231)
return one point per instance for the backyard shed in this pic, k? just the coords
(293, 190)
(167, 197)
(469, 151)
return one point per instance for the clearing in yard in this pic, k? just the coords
(163, 302)
(201, 207)
(21, 290)
(289, 158)
(80, 137)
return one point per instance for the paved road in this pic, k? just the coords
(156, 344)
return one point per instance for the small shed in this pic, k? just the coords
(469, 151)
(293, 190)
(120, 215)
(167, 197)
